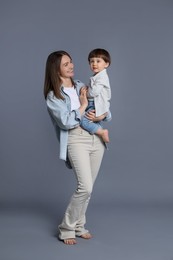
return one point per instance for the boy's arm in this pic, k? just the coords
(95, 88)
(97, 85)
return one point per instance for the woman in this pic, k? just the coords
(66, 103)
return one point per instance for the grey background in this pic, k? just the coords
(137, 170)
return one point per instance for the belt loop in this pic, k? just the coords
(93, 139)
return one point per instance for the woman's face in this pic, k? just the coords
(66, 67)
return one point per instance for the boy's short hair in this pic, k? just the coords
(100, 53)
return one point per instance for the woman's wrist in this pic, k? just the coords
(82, 109)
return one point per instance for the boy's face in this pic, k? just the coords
(98, 64)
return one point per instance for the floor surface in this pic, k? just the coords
(122, 232)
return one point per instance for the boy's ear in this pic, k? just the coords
(107, 65)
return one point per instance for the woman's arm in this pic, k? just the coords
(83, 100)
(60, 112)
(92, 117)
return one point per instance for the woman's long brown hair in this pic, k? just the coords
(52, 80)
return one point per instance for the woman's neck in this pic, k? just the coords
(67, 82)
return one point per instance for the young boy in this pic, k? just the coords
(99, 92)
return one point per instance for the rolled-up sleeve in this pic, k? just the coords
(108, 117)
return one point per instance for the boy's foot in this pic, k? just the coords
(70, 241)
(105, 135)
(86, 235)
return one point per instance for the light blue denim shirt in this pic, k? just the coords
(63, 118)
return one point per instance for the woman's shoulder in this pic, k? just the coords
(50, 94)
(52, 98)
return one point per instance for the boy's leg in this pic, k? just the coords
(104, 134)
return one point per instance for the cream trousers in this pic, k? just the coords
(85, 152)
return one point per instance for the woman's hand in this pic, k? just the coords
(83, 96)
(92, 116)
(83, 99)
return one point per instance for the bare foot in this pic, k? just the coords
(86, 235)
(104, 134)
(70, 241)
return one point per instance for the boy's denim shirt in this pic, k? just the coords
(63, 118)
